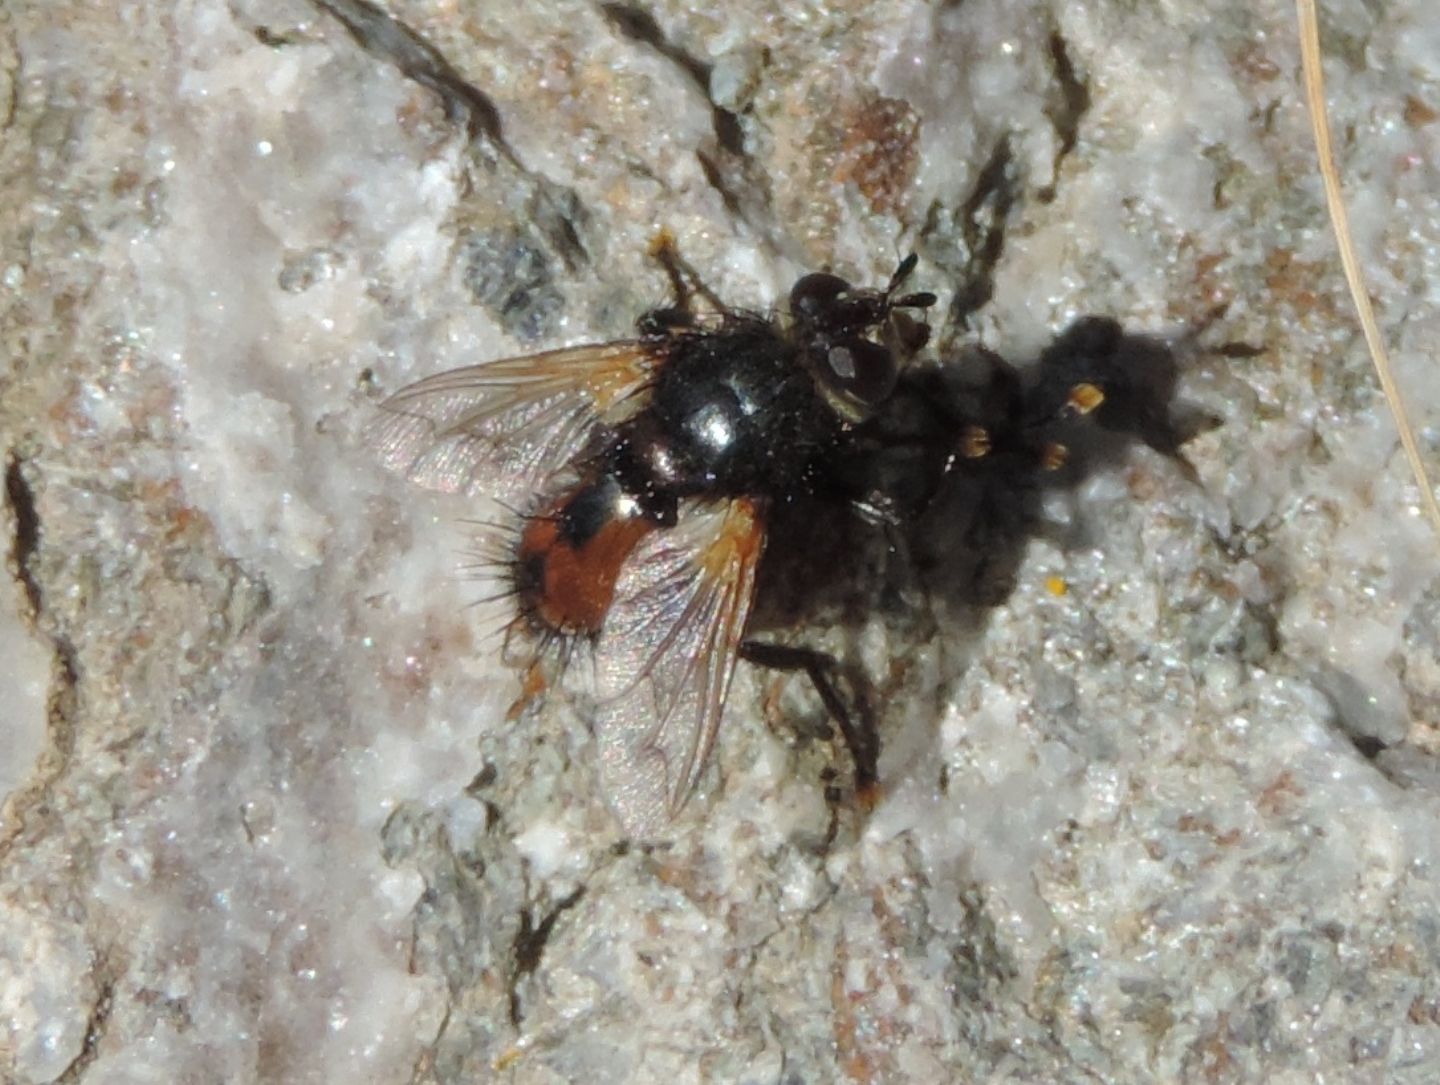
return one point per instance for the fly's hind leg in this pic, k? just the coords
(855, 718)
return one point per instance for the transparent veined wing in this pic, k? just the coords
(501, 428)
(666, 655)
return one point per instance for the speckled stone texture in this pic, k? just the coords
(1166, 813)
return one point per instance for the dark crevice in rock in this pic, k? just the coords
(551, 208)
(1368, 746)
(715, 177)
(529, 946)
(1237, 349)
(424, 1068)
(266, 33)
(727, 167)
(741, 191)
(1068, 104)
(275, 39)
(382, 35)
(640, 26)
(21, 501)
(65, 678)
(487, 775)
(12, 100)
(271, 37)
(982, 222)
(1370, 724)
(94, 1032)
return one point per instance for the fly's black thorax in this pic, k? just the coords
(731, 413)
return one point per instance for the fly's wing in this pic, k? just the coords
(666, 655)
(501, 428)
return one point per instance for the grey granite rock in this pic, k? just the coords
(1167, 813)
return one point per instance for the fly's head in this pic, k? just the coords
(854, 340)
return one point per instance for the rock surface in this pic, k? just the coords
(1169, 812)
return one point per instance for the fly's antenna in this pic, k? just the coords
(922, 299)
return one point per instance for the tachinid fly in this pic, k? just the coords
(648, 469)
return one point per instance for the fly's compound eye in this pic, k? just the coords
(814, 295)
(856, 376)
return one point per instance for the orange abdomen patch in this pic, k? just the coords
(565, 576)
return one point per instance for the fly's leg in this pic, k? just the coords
(685, 286)
(856, 720)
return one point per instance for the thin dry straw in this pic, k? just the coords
(1320, 125)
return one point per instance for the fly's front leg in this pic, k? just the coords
(685, 286)
(856, 719)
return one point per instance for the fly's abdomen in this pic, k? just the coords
(571, 555)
